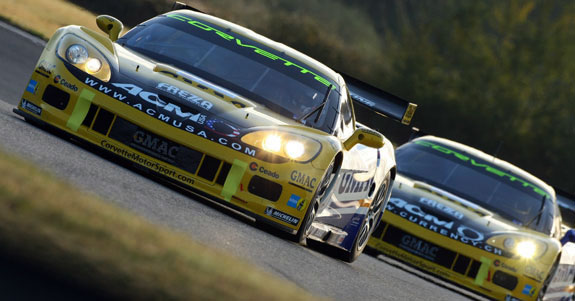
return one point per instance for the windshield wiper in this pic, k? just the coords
(318, 107)
(539, 213)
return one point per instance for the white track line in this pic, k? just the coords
(34, 39)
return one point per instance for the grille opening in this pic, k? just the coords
(103, 121)
(56, 97)
(265, 188)
(474, 269)
(224, 173)
(505, 280)
(461, 264)
(90, 116)
(189, 159)
(209, 168)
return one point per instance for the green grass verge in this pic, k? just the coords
(62, 229)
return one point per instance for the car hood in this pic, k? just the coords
(426, 206)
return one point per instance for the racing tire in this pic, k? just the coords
(320, 194)
(543, 290)
(370, 222)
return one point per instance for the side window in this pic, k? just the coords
(346, 119)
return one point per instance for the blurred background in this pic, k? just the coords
(496, 75)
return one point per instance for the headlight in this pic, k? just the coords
(77, 54)
(272, 143)
(294, 149)
(84, 56)
(526, 249)
(93, 65)
(285, 144)
(522, 246)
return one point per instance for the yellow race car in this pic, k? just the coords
(236, 117)
(477, 221)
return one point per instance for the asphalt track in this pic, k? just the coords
(366, 279)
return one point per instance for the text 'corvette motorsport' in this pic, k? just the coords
(238, 118)
(477, 221)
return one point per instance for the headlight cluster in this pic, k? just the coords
(84, 56)
(522, 246)
(285, 144)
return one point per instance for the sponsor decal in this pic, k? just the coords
(254, 167)
(63, 82)
(239, 43)
(155, 166)
(498, 263)
(349, 184)
(459, 232)
(31, 107)
(419, 247)
(185, 95)
(441, 207)
(284, 217)
(166, 107)
(32, 86)
(155, 144)
(300, 178)
(361, 99)
(166, 112)
(415, 261)
(45, 69)
(528, 290)
(223, 128)
(295, 201)
(534, 272)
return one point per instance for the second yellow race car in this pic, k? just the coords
(477, 221)
(236, 117)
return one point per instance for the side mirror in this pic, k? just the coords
(110, 25)
(367, 137)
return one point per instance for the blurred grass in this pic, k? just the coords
(97, 245)
(43, 17)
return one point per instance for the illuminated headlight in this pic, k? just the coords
(526, 249)
(84, 56)
(522, 246)
(272, 143)
(77, 54)
(284, 144)
(93, 65)
(294, 149)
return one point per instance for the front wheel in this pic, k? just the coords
(543, 290)
(371, 221)
(320, 194)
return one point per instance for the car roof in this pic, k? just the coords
(502, 164)
(250, 34)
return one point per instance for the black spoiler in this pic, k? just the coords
(180, 5)
(379, 101)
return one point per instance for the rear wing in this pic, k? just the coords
(379, 101)
(180, 5)
(566, 202)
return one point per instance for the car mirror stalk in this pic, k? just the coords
(366, 137)
(110, 25)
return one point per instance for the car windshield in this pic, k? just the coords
(483, 183)
(248, 68)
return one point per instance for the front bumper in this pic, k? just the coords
(215, 167)
(485, 273)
